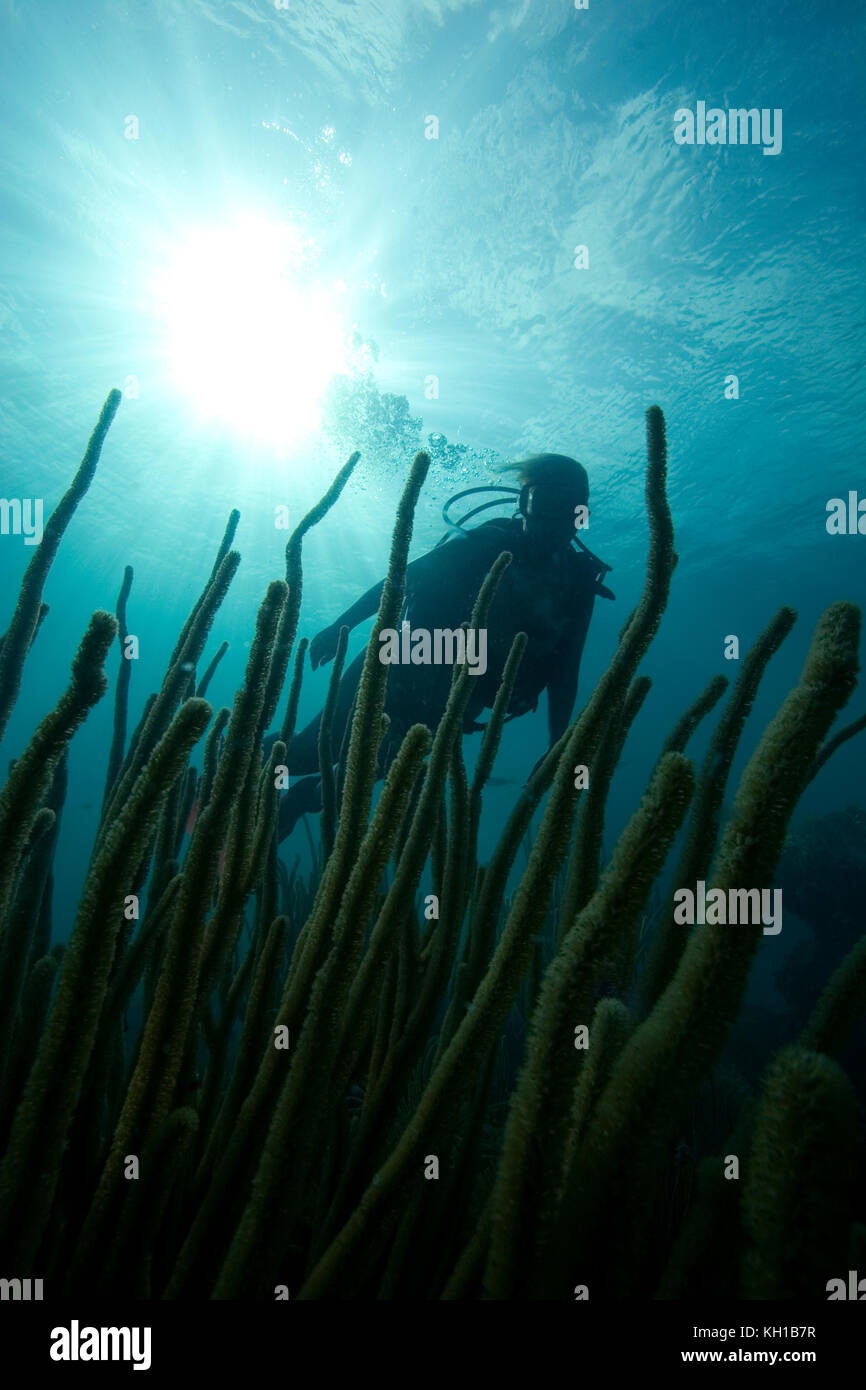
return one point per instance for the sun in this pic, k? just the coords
(251, 342)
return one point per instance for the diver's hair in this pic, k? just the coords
(557, 469)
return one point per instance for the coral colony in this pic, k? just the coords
(232, 1083)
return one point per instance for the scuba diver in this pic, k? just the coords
(547, 591)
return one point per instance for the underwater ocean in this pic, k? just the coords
(570, 1006)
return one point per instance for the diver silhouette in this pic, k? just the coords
(547, 591)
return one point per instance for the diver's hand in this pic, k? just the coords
(323, 647)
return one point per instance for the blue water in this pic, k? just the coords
(455, 257)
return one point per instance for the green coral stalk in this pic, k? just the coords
(202, 687)
(294, 579)
(406, 878)
(182, 643)
(678, 1043)
(16, 941)
(450, 1081)
(855, 727)
(795, 1215)
(31, 1168)
(28, 612)
(31, 775)
(161, 710)
(689, 720)
(582, 874)
(316, 1065)
(540, 1104)
(165, 1036)
(841, 1006)
(326, 756)
(255, 1036)
(706, 812)
(121, 693)
(290, 719)
(704, 1262)
(35, 998)
(310, 951)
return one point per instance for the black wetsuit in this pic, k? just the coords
(549, 598)
(548, 594)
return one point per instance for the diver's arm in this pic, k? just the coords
(364, 607)
(562, 686)
(324, 645)
(428, 567)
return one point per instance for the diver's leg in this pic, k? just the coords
(303, 755)
(302, 759)
(304, 798)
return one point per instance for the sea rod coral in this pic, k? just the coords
(290, 1063)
